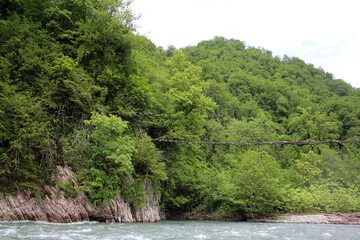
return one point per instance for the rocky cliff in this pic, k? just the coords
(56, 207)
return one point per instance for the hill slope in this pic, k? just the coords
(80, 88)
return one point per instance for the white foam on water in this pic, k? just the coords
(42, 236)
(65, 238)
(10, 232)
(201, 236)
(327, 235)
(66, 224)
(22, 221)
(78, 230)
(234, 233)
(85, 230)
(174, 230)
(262, 234)
(83, 222)
(273, 228)
(134, 237)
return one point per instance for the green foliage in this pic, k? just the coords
(68, 188)
(136, 193)
(76, 147)
(110, 163)
(26, 146)
(148, 161)
(100, 186)
(73, 90)
(181, 105)
(80, 87)
(325, 197)
(307, 169)
(110, 146)
(252, 183)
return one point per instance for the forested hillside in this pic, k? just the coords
(80, 87)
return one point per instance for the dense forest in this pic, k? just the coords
(80, 87)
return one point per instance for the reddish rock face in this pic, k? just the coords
(55, 207)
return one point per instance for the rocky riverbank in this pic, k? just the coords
(326, 218)
(56, 207)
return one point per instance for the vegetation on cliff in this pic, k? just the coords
(80, 87)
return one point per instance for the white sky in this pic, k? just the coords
(325, 33)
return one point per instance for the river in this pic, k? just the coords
(176, 230)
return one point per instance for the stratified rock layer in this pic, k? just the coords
(55, 207)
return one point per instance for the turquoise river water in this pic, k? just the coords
(176, 230)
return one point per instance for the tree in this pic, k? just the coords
(26, 145)
(307, 169)
(181, 105)
(148, 161)
(251, 184)
(110, 166)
